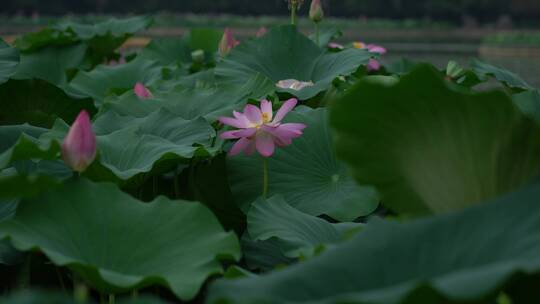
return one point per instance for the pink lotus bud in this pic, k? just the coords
(141, 91)
(261, 32)
(316, 13)
(79, 146)
(227, 43)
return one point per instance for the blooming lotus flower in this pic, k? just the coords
(334, 45)
(79, 146)
(260, 130)
(227, 42)
(294, 84)
(141, 91)
(373, 64)
(261, 32)
(316, 13)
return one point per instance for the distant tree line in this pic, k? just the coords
(452, 10)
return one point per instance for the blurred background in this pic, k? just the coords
(502, 32)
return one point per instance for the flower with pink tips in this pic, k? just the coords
(260, 130)
(227, 43)
(373, 64)
(79, 145)
(141, 91)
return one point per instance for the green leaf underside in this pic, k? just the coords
(306, 173)
(429, 147)
(300, 234)
(117, 243)
(453, 258)
(510, 79)
(282, 54)
(9, 61)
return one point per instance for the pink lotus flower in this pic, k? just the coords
(79, 146)
(261, 32)
(260, 130)
(141, 91)
(334, 45)
(227, 42)
(373, 64)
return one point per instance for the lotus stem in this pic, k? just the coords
(265, 177)
(294, 6)
(112, 299)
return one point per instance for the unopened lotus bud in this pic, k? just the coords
(227, 43)
(197, 56)
(79, 146)
(316, 13)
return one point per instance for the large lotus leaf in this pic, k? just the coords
(9, 60)
(264, 255)
(307, 174)
(39, 103)
(10, 134)
(465, 257)
(174, 50)
(51, 64)
(34, 41)
(284, 53)
(117, 243)
(118, 28)
(187, 103)
(299, 234)
(429, 146)
(27, 147)
(105, 80)
(37, 296)
(529, 103)
(512, 80)
(128, 146)
(8, 254)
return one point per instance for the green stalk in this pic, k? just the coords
(265, 177)
(294, 5)
(112, 299)
(317, 32)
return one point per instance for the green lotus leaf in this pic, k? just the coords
(37, 296)
(173, 50)
(117, 243)
(187, 103)
(307, 174)
(431, 147)
(38, 103)
(51, 64)
(8, 254)
(465, 257)
(510, 79)
(129, 146)
(283, 53)
(47, 37)
(9, 61)
(300, 234)
(105, 80)
(264, 255)
(529, 103)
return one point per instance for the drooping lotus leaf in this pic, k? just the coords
(264, 255)
(38, 103)
(284, 53)
(512, 80)
(299, 234)
(117, 243)
(51, 64)
(128, 146)
(10, 134)
(9, 60)
(37, 296)
(307, 174)
(529, 103)
(465, 257)
(8, 254)
(430, 147)
(105, 80)
(174, 50)
(187, 103)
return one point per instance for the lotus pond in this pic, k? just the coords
(282, 168)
